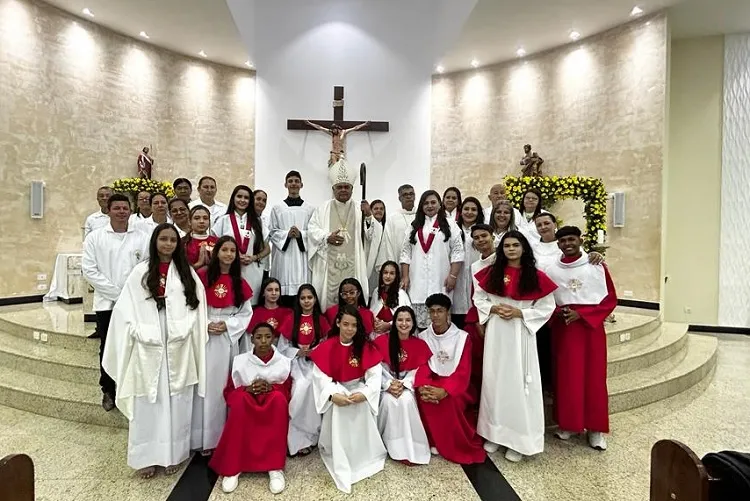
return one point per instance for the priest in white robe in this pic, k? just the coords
(335, 235)
(396, 228)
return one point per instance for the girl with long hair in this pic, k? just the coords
(530, 208)
(178, 210)
(156, 353)
(346, 384)
(243, 223)
(351, 293)
(300, 333)
(471, 213)
(269, 310)
(452, 203)
(514, 300)
(387, 297)
(398, 418)
(432, 255)
(199, 244)
(229, 311)
(502, 220)
(373, 248)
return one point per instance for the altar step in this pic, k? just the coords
(36, 333)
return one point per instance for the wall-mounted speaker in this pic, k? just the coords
(37, 199)
(618, 216)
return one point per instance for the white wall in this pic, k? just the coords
(382, 53)
(734, 266)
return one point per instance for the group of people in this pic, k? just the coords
(427, 331)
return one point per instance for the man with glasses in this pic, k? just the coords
(396, 225)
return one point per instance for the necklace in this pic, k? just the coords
(343, 230)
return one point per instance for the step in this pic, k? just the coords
(54, 338)
(667, 378)
(41, 359)
(55, 398)
(630, 327)
(666, 341)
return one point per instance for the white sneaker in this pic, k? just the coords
(513, 456)
(229, 484)
(564, 435)
(277, 482)
(491, 447)
(597, 440)
(434, 451)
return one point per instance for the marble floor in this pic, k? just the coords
(85, 462)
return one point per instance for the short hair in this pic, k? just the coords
(568, 230)
(481, 226)
(104, 188)
(261, 325)
(200, 181)
(181, 180)
(404, 187)
(438, 299)
(157, 194)
(117, 197)
(292, 173)
(547, 214)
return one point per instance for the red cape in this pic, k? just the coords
(337, 361)
(274, 317)
(221, 293)
(193, 247)
(414, 352)
(368, 319)
(285, 329)
(512, 278)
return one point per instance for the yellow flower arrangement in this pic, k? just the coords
(131, 186)
(589, 189)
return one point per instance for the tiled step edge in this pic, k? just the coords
(53, 338)
(649, 350)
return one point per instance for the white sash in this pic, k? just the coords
(447, 349)
(579, 282)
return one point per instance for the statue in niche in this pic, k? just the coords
(145, 162)
(531, 162)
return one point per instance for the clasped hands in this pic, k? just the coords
(217, 328)
(303, 351)
(342, 400)
(432, 394)
(506, 311)
(569, 315)
(294, 232)
(248, 259)
(396, 388)
(259, 386)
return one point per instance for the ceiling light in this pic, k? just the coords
(439, 69)
(202, 53)
(474, 63)
(87, 12)
(520, 52)
(637, 11)
(143, 34)
(248, 64)
(574, 35)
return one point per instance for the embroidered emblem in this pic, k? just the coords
(402, 356)
(273, 323)
(220, 291)
(163, 281)
(306, 329)
(506, 279)
(435, 231)
(574, 284)
(442, 356)
(353, 361)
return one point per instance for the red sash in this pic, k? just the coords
(512, 278)
(427, 245)
(242, 243)
(385, 314)
(414, 352)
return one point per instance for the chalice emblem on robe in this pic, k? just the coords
(220, 291)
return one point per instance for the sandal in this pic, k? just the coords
(146, 473)
(304, 452)
(207, 453)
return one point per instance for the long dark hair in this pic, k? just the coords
(361, 301)
(538, 208)
(252, 216)
(458, 193)
(378, 201)
(360, 338)
(529, 282)
(268, 281)
(189, 235)
(394, 342)
(214, 270)
(152, 277)
(512, 226)
(419, 219)
(391, 291)
(316, 314)
(480, 213)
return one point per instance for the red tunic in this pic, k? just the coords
(579, 352)
(385, 314)
(274, 317)
(338, 362)
(306, 332)
(414, 352)
(446, 423)
(193, 247)
(471, 326)
(220, 294)
(254, 436)
(368, 319)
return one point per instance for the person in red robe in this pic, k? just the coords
(387, 297)
(350, 292)
(443, 387)
(585, 297)
(199, 244)
(257, 394)
(269, 311)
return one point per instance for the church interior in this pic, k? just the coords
(639, 109)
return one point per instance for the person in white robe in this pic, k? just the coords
(514, 300)
(99, 218)
(229, 313)
(337, 245)
(180, 214)
(347, 378)
(207, 198)
(470, 214)
(502, 220)
(396, 228)
(373, 247)
(159, 213)
(243, 224)
(156, 353)
(452, 202)
(432, 255)
(289, 237)
(531, 207)
(143, 207)
(387, 297)
(496, 194)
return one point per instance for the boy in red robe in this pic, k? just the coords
(257, 395)
(585, 297)
(443, 388)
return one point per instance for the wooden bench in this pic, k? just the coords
(677, 474)
(17, 478)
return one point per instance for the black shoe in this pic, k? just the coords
(108, 402)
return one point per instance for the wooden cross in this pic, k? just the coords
(338, 118)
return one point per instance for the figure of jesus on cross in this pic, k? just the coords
(338, 139)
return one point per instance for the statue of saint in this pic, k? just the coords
(145, 162)
(531, 162)
(338, 136)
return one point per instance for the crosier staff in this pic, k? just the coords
(363, 183)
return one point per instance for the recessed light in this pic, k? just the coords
(248, 64)
(574, 35)
(202, 53)
(87, 12)
(439, 69)
(637, 11)
(474, 63)
(143, 34)
(520, 52)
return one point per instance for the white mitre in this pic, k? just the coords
(341, 172)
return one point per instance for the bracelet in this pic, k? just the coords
(453, 277)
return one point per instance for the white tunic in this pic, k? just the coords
(95, 221)
(528, 226)
(350, 444)
(427, 272)
(253, 272)
(546, 254)
(148, 224)
(217, 210)
(462, 295)
(373, 248)
(511, 409)
(395, 231)
(210, 413)
(488, 215)
(290, 266)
